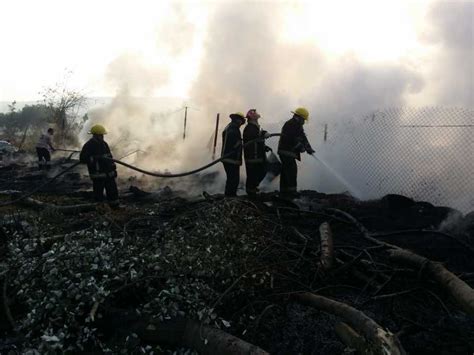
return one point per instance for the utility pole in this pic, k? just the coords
(325, 132)
(185, 118)
(215, 138)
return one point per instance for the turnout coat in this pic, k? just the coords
(93, 153)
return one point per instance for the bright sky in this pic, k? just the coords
(40, 39)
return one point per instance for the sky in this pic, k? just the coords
(42, 40)
(343, 60)
(160, 43)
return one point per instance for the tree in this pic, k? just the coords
(12, 107)
(17, 125)
(64, 105)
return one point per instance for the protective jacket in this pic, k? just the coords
(93, 154)
(293, 140)
(254, 152)
(232, 143)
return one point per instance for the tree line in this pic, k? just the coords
(58, 109)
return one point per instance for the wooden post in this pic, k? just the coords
(215, 138)
(185, 118)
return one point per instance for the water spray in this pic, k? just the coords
(351, 189)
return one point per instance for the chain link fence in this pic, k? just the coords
(423, 153)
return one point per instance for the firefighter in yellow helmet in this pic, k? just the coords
(101, 171)
(292, 143)
(232, 150)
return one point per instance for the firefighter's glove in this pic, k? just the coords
(310, 150)
(265, 134)
(268, 149)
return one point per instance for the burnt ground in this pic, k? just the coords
(78, 281)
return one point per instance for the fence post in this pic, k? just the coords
(215, 138)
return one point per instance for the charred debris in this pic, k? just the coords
(323, 274)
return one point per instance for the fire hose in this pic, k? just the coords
(166, 175)
(138, 169)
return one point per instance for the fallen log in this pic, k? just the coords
(350, 337)
(379, 340)
(202, 338)
(461, 292)
(327, 246)
(70, 209)
(31, 202)
(326, 261)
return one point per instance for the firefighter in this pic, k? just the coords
(232, 151)
(254, 153)
(44, 147)
(292, 143)
(101, 171)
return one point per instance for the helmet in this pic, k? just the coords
(98, 129)
(237, 115)
(302, 112)
(252, 114)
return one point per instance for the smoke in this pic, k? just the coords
(252, 67)
(449, 33)
(247, 63)
(145, 129)
(130, 75)
(177, 33)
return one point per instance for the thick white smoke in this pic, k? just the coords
(247, 63)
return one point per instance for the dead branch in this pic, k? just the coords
(93, 311)
(71, 209)
(31, 202)
(461, 292)
(326, 261)
(350, 337)
(395, 294)
(262, 314)
(345, 266)
(365, 232)
(187, 332)
(424, 231)
(380, 341)
(6, 305)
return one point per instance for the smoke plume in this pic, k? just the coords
(247, 63)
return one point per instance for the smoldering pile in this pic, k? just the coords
(323, 274)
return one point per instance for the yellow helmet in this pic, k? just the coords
(98, 129)
(302, 112)
(237, 115)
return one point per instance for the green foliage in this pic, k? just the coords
(64, 104)
(31, 117)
